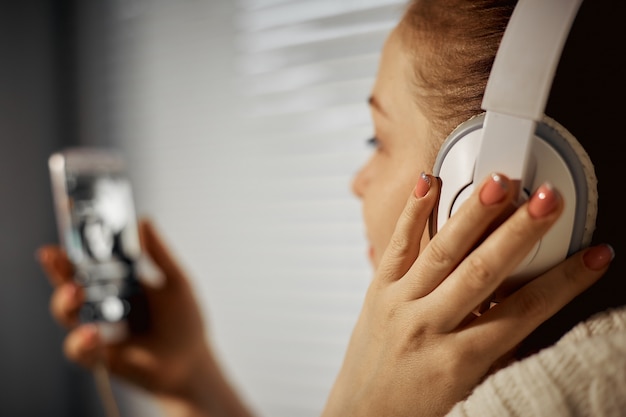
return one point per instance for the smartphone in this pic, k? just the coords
(97, 227)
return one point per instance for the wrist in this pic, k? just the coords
(205, 392)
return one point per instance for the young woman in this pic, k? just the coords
(418, 347)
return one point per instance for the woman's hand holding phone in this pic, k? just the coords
(172, 359)
(418, 346)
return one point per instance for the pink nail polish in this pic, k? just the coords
(544, 201)
(422, 186)
(598, 257)
(70, 290)
(42, 255)
(494, 190)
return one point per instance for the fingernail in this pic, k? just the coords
(544, 201)
(149, 272)
(423, 185)
(69, 291)
(494, 190)
(598, 257)
(42, 255)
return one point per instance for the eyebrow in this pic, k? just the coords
(376, 104)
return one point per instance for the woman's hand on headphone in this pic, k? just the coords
(418, 346)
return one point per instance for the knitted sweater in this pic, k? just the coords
(582, 375)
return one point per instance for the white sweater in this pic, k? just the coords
(582, 375)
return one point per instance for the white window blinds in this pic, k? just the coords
(245, 122)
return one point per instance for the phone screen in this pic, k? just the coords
(104, 230)
(102, 241)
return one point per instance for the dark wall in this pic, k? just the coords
(37, 116)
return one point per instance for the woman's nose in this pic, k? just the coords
(360, 181)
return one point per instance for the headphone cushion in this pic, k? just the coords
(589, 175)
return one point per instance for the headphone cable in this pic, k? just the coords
(105, 390)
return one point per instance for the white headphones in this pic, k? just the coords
(515, 138)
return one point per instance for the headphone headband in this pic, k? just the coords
(520, 82)
(524, 67)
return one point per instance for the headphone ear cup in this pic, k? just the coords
(581, 169)
(454, 165)
(556, 157)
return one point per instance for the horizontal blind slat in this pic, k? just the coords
(244, 136)
(252, 19)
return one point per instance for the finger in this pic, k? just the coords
(65, 303)
(505, 325)
(156, 248)
(478, 276)
(176, 291)
(135, 363)
(404, 245)
(83, 345)
(148, 272)
(55, 264)
(459, 235)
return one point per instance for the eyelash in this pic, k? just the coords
(373, 142)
